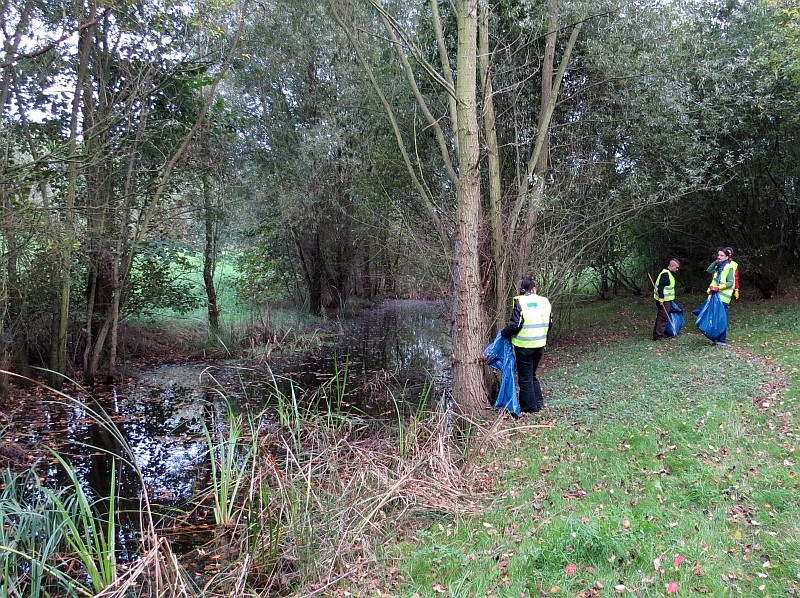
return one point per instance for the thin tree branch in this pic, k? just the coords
(48, 47)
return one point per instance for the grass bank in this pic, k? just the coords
(657, 469)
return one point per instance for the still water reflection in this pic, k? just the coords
(390, 354)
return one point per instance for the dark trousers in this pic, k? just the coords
(662, 317)
(530, 392)
(723, 338)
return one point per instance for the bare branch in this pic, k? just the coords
(48, 47)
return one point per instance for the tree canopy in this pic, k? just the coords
(346, 149)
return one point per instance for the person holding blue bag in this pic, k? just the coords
(527, 328)
(500, 356)
(664, 292)
(723, 280)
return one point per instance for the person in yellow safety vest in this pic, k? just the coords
(527, 328)
(723, 281)
(664, 293)
(712, 268)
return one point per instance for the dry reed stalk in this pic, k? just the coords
(238, 575)
(525, 428)
(156, 573)
(365, 478)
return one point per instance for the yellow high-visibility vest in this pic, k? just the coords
(535, 321)
(669, 290)
(719, 279)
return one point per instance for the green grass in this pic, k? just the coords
(657, 451)
(242, 325)
(231, 311)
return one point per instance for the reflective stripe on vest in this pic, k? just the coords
(721, 278)
(669, 290)
(535, 321)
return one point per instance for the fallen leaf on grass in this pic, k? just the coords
(673, 587)
(570, 570)
(579, 493)
(678, 560)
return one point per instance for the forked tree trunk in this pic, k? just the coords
(512, 223)
(58, 361)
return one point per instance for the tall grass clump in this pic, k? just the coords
(57, 541)
(231, 466)
(89, 534)
(313, 494)
(31, 538)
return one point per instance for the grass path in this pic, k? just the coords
(670, 469)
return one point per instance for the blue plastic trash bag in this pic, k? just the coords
(712, 320)
(500, 356)
(676, 320)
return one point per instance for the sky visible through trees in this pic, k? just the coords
(317, 148)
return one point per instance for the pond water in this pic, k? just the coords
(387, 356)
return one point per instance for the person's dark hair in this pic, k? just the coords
(728, 251)
(718, 249)
(677, 262)
(527, 284)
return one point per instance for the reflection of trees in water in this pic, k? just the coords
(388, 354)
(109, 463)
(112, 456)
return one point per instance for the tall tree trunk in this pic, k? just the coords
(8, 280)
(210, 252)
(469, 321)
(9, 288)
(313, 271)
(540, 161)
(58, 362)
(103, 262)
(497, 270)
